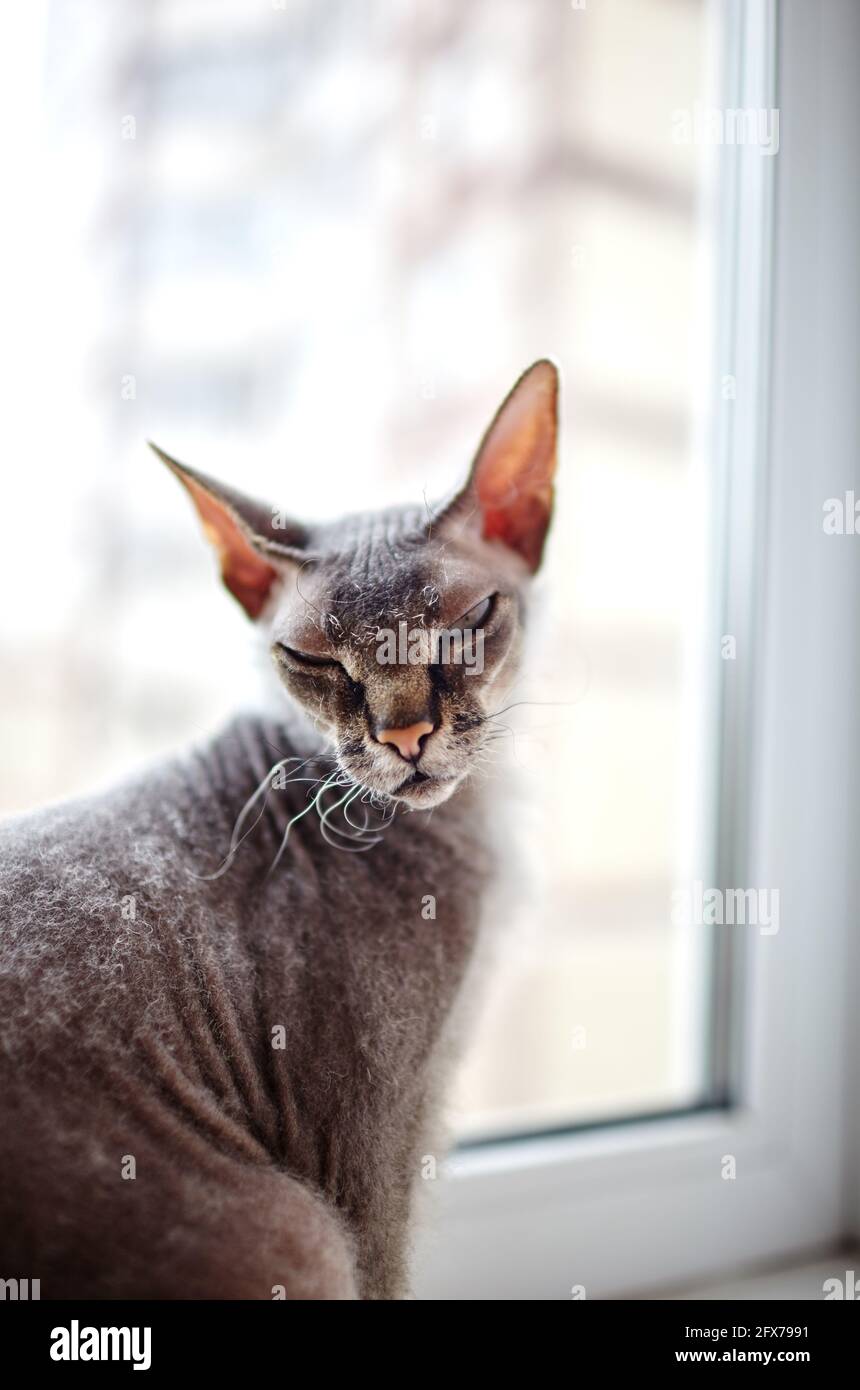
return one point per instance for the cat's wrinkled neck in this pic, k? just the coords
(270, 793)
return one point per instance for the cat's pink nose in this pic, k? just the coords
(407, 741)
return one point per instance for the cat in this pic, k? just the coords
(227, 987)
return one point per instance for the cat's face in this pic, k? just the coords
(400, 648)
(398, 632)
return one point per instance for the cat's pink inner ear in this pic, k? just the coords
(245, 573)
(513, 473)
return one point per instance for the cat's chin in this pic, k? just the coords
(419, 791)
(430, 791)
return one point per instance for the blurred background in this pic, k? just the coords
(308, 248)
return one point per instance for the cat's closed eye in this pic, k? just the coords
(305, 658)
(477, 614)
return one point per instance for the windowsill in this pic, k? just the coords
(800, 1281)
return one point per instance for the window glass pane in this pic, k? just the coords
(308, 248)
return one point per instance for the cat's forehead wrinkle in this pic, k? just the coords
(370, 536)
(375, 570)
(372, 568)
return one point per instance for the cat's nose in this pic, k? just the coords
(407, 741)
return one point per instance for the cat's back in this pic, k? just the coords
(88, 889)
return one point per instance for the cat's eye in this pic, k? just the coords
(477, 614)
(306, 658)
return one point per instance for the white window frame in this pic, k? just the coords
(642, 1206)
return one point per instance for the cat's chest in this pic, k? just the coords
(359, 955)
(335, 975)
(413, 899)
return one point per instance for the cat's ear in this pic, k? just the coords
(252, 541)
(509, 494)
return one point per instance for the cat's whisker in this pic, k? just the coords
(360, 848)
(318, 757)
(315, 782)
(350, 794)
(236, 837)
(264, 786)
(360, 839)
(310, 806)
(361, 829)
(384, 805)
(517, 704)
(268, 784)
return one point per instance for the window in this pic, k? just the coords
(630, 1209)
(307, 249)
(401, 208)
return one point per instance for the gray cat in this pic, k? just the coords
(226, 987)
